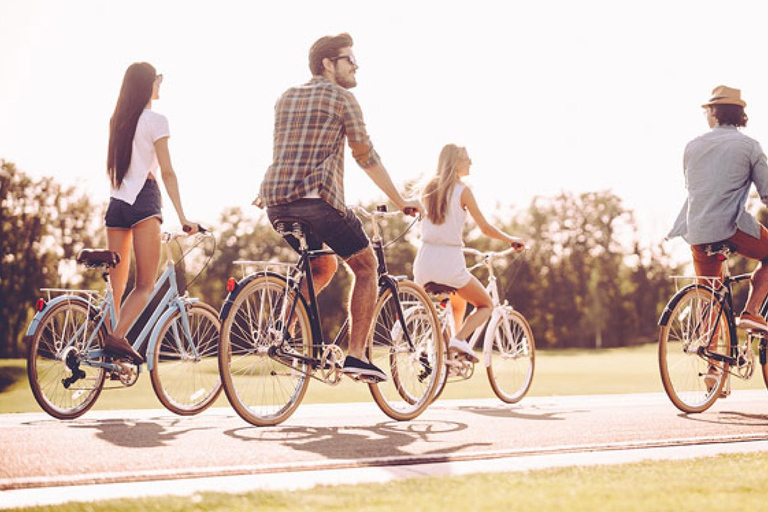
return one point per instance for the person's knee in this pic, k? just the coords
(363, 264)
(324, 267)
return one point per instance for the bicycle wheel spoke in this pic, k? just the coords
(65, 325)
(691, 381)
(512, 356)
(262, 389)
(185, 372)
(408, 349)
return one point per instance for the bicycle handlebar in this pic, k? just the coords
(489, 254)
(170, 236)
(380, 213)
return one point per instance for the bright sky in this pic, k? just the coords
(547, 96)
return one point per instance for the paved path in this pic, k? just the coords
(46, 460)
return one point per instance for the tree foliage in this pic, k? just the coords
(42, 228)
(585, 281)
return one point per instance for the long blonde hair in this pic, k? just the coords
(438, 190)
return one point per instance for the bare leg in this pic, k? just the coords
(362, 300)
(323, 269)
(119, 241)
(478, 297)
(146, 246)
(459, 309)
(758, 289)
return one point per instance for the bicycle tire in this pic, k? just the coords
(46, 368)
(443, 379)
(512, 356)
(262, 390)
(685, 374)
(185, 383)
(413, 371)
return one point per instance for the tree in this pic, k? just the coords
(42, 228)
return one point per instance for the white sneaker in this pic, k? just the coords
(463, 348)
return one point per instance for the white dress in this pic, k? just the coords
(440, 258)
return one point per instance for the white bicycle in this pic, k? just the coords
(509, 350)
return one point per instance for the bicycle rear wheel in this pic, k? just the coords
(513, 356)
(185, 371)
(263, 390)
(691, 380)
(414, 366)
(62, 386)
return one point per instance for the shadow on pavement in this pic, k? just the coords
(133, 433)
(387, 439)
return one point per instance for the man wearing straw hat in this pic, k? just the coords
(720, 167)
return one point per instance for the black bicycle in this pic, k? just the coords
(272, 342)
(699, 344)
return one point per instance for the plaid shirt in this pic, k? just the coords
(311, 123)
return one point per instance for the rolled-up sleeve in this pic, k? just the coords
(357, 136)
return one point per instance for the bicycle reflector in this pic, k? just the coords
(40, 305)
(231, 284)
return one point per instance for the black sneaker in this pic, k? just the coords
(362, 370)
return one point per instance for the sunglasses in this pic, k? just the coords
(350, 58)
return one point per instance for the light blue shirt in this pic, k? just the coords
(720, 166)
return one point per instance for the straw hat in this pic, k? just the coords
(722, 95)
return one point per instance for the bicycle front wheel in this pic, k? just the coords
(409, 347)
(63, 385)
(263, 389)
(512, 356)
(696, 323)
(185, 372)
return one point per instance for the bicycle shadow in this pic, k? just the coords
(532, 413)
(136, 433)
(386, 439)
(736, 418)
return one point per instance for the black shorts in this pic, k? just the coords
(148, 204)
(341, 231)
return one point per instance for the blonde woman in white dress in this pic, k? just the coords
(440, 258)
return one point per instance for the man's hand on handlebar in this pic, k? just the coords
(412, 207)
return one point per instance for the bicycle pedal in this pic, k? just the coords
(367, 379)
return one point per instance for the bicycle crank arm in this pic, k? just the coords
(717, 357)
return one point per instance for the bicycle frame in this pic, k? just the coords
(498, 308)
(723, 296)
(300, 272)
(170, 302)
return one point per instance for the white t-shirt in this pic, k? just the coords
(150, 128)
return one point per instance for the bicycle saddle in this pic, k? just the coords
(93, 258)
(720, 249)
(437, 288)
(286, 225)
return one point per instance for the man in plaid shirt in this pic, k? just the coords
(306, 180)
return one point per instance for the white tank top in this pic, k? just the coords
(450, 231)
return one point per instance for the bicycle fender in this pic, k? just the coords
(231, 296)
(173, 308)
(53, 302)
(496, 317)
(664, 318)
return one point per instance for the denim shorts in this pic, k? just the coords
(148, 204)
(341, 231)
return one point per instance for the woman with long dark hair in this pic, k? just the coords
(138, 145)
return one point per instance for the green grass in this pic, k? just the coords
(571, 372)
(680, 486)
